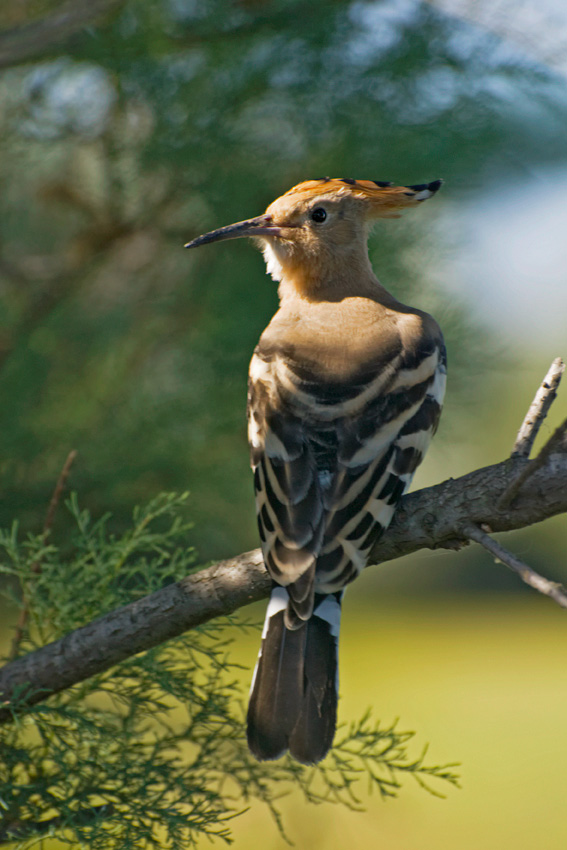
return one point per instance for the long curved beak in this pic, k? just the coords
(262, 225)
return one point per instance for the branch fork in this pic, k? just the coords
(538, 410)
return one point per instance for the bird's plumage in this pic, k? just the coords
(345, 392)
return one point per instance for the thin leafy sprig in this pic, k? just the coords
(151, 753)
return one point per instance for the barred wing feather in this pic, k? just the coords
(331, 464)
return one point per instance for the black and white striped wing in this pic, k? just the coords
(379, 451)
(332, 461)
(289, 502)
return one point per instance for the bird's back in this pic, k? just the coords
(332, 385)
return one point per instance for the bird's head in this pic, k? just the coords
(319, 228)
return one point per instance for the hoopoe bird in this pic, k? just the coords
(345, 392)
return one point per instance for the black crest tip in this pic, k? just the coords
(432, 187)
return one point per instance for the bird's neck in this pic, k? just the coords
(328, 277)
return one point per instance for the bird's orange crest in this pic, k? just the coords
(383, 196)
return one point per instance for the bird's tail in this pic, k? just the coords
(293, 700)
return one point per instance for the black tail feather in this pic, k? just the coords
(314, 730)
(273, 708)
(293, 704)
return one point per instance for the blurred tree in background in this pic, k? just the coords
(173, 117)
(127, 127)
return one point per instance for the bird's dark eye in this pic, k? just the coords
(318, 215)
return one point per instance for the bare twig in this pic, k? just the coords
(538, 410)
(512, 491)
(58, 492)
(36, 566)
(549, 588)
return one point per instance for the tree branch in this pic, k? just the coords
(539, 408)
(431, 518)
(554, 441)
(542, 585)
(36, 567)
(27, 42)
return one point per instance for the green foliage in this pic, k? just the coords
(152, 754)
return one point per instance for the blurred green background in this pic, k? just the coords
(161, 119)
